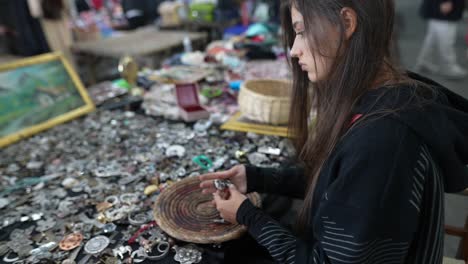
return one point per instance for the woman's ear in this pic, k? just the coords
(349, 17)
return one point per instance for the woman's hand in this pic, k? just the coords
(228, 208)
(236, 175)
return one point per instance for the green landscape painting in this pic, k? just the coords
(34, 94)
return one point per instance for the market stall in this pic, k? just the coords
(119, 184)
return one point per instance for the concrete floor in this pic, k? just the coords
(411, 35)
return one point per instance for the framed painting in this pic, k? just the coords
(38, 93)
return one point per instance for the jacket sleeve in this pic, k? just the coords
(368, 214)
(284, 181)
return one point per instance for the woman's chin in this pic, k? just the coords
(312, 77)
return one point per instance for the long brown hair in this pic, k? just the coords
(353, 71)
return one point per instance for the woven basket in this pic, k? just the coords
(266, 101)
(186, 214)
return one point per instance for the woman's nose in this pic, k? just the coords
(295, 51)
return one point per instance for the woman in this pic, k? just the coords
(374, 167)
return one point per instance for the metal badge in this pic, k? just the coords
(269, 151)
(202, 125)
(109, 228)
(71, 241)
(44, 248)
(4, 248)
(44, 225)
(188, 254)
(121, 251)
(72, 257)
(4, 202)
(96, 244)
(106, 172)
(175, 151)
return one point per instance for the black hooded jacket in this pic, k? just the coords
(430, 9)
(379, 197)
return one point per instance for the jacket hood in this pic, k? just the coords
(440, 119)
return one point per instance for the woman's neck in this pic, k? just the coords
(388, 76)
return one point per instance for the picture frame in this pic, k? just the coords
(38, 93)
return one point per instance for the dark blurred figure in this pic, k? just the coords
(3, 32)
(82, 6)
(24, 35)
(227, 11)
(141, 12)
(442, 17)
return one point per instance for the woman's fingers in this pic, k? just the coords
(217, 199)
(208, 190)
(208, 187)
(207, 184)
(216, 175)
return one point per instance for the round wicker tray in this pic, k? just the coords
(186, 214)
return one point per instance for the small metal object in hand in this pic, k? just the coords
(223, 187)
(222, 184)
(220, 221)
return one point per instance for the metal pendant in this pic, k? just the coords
(96, 245)
(188, 254)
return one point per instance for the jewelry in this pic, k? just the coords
(113, 199)
(219, 221)
(129, 198)
(7, 258)
(137, 219)
(71, 241)
(72, 257)
(188, 254)
(109, 228)
(222, 184)
(142, 229)
(163, 248)
(4, 248)
(97, 244)
(44, 225)
(140, 252)
(175, 150)
(121, 251)
(43, 248)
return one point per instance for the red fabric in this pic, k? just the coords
(355, 118)
(98, 4)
